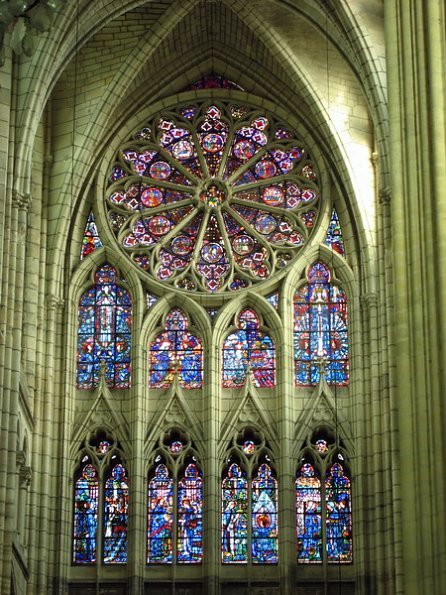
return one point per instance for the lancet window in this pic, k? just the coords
(101, 498)
(174, 348)
(320, 330)
(323, 505)
(175, 504)
(104, 332)
(248, 348)
(249, 500)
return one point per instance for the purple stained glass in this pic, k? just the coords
(234, 530)
(86, 500)
(104, 334)
(265, 527)
(116, 500)
(248, 345)
(320, 330)
(334, 237)
(160, 517)
(190, 516)
(91, 240)
(338, 516)
(308, 515)
(196, 174)
(214, 81)
(176, 347)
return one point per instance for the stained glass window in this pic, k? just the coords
(116, 499)
(334, 237)
(86, 501)
(190, 526)
(91, 240)
(215, 81)
(320, 330)
(160, 517)
(264, 543)
(308, 515)
(234, 537)
(339, 519)
(248, 345)
(176, 347)
(104, 335)
(212, 197)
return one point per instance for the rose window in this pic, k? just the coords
(212, 198)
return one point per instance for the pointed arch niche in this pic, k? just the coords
(176, 350)
(104, 331)
(321, 338)
(323, 502)
(100, 503)
(249, 502)
(174, 502)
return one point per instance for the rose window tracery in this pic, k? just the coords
(212, 198)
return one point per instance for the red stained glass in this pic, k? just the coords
(212, 197)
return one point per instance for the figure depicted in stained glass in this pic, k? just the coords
(308, 515)
(234, 536)
(116, 499)
(190, 525)
(176, 346)
(320, 330)
(264, 544)
(248, 346)
(91, 240)
(339, 520)
(334, 237)
(104, 335)
(212, 197)
(86, 498)
(160, 517)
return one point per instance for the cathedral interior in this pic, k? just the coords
(222, 297)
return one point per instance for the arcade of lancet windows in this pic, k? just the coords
(212, 199)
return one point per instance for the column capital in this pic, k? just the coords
(25, 475)
(21, 201)
(385, 196)
(55, 303)
(370, 300)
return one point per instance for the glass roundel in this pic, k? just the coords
(212, 197)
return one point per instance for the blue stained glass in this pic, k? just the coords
(190, 522)
(85, 516)
(234, 537)
(116, 496)
(176, 347)
(105, 318)
(308, 515)
(250, 346)
(334, 237)
(273, 299)
(264, 517)
(339, 518)
(160, 517)
(320, 330)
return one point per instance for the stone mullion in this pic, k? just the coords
(44, 490)
(137, 468)
(414, 37)
(391, 553)
(373, 474)
(10, 385)
(286, 463)
(211, 475)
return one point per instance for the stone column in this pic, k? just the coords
(415, 33)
